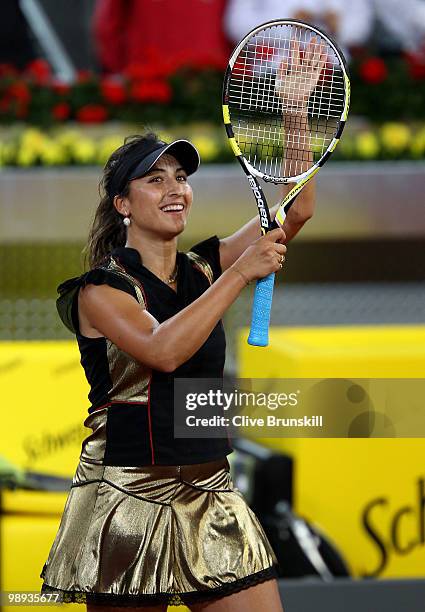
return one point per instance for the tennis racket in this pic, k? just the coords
(286, 96)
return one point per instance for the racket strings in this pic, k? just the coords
(284, 116)
(285, 147)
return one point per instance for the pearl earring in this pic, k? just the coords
(126, 221)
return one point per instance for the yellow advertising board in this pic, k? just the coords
(368, 495)
(44, 406)
(43, 410)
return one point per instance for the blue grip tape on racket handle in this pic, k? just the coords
(261, 308)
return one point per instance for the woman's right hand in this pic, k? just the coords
(263, 256)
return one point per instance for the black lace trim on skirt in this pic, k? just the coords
(171, 599)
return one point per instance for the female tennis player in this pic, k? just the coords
(152, 520)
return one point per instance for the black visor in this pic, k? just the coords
(185, 153)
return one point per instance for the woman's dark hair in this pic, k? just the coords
(108, 230)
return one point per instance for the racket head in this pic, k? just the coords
(281, 124)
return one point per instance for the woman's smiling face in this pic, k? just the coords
(159, 202)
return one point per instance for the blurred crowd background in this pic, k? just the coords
(161, 61)
(75, 78)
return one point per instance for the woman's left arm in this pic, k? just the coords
(300, 76)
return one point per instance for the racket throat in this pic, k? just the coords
(286, 205)
(263, 209)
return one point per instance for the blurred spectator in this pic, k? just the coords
(356, 22)
(404, 21)
(243, 15)
(16, 46)
(351, 23)
(151, 32)
(401, 23)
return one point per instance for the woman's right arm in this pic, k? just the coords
(118, 317)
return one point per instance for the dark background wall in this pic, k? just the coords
(71, 20)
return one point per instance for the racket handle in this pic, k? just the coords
(261, 308)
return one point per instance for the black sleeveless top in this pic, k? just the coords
(132, 406)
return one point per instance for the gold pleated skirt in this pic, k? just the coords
(134, 536)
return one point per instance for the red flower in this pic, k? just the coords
(21, 110)
(207, 62)
(39, 69)
(7, 70)
(61, 111)
(180, 60)
(92, 113)
(158, 69)
(19, 90)
(374, 70)
(135, 71)
(151, 91)
(113, 91)
(84, 75)
(217, 63)
(416, 63)
(4, 105)
(61, 88)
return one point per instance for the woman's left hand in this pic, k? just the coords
(298, 74)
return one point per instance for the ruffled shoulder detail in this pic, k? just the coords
(206, 257)
(202, 265)
(67, 302)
